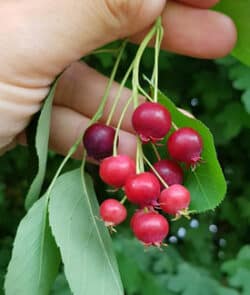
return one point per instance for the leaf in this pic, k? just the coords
(35, 257)
(84, 241)
(241, 279)
(41, 143)
(242, 261)
(201, 284)
(192, 280)
(239, 12)
(61, 286)
(207, 184)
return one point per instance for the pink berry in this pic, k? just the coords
(98, 140)
(151, 121)
(115, 170)
(185, 145)
(142, 189)
(151, 228)
(112, 212)
(175, 199)
(170, 171)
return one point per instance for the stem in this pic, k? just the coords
(123, 200)
(155, 171)
(158, 156)
(71, 151)
(117, 97)
(135, 80)
(119, 126)
(100, 109)
(158, 40)
(139, 157)
(174, 126)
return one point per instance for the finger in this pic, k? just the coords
(81, 88)
(196, 32)
(199, 3)
(66, 127)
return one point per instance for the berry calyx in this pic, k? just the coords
(175, 200)
(169, 171)
(185, 145)
(112, 212)
(143, 189)
(98, 140)
(115, 170)
(151, 228)
(151, 121)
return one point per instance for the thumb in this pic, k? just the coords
(53, 34)
(45, 36)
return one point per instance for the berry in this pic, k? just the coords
(142, 189)
(151, 228)
(185, 145)
(98, 140)
(115, 170)
(151, 121)
(175, 200)
(112, 212)
(170, 172)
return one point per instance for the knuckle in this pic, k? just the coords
(124, 11)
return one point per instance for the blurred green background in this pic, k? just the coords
(209, 254)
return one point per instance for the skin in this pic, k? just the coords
(40, 39)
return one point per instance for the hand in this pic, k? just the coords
(39, 39)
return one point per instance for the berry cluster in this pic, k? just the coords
(160, 188)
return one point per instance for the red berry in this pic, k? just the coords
(174, 199)
(169, 171)
(98, 140)
(185, 145)
(151, 121)
(151, 228)
(115, 170)
(143, 189)
(112, 212)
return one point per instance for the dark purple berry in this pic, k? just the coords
(98, 140)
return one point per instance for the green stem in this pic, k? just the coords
(155, 171)
(119, 126)
(100, 109)
(158, 40)
(117, 97)
(123, 200)
(135, 80)
(156, 152)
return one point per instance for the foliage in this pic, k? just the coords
(206, 259)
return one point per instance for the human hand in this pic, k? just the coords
(39, 39)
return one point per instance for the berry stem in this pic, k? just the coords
(135, 79)
(118, 95)
(100, 109)
(174, 126)
(123, 200)
(158, 40)
(155, 171)
(158, 156)
(139, 157)
(119, 125)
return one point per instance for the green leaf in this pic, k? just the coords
(239, 12)
(207, 184)
(35, 257)
(84, 241)
(242, 261)
(241, 279)
(192, 280)
(201, 284)
(61, 286)
(41, 143)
